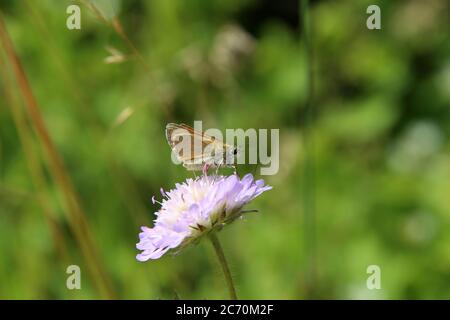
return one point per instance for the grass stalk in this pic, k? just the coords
(34, 166)
(118, 28)
(75, 211)
(308, 190)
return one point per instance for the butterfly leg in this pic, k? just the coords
(205, 169)
(218, 167)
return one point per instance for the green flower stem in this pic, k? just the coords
(223, 262)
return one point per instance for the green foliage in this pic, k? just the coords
(380, 134)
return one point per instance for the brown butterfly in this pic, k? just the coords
(197, 150)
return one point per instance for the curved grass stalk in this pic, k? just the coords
(75, 211)
(34, 167)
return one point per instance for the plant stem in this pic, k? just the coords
(223, 262)
(309, 204)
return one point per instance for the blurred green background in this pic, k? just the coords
(369, 184)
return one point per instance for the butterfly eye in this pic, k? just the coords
(235, 151)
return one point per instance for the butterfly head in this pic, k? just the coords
(231, 155)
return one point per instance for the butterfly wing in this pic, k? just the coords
(194, 148)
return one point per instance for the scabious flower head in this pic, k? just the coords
(195, 208)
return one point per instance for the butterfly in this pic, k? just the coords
(197, 150)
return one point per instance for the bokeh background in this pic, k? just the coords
(364, 173)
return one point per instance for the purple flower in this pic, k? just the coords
(195, 208)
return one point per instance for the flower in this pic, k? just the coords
(195, 208)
